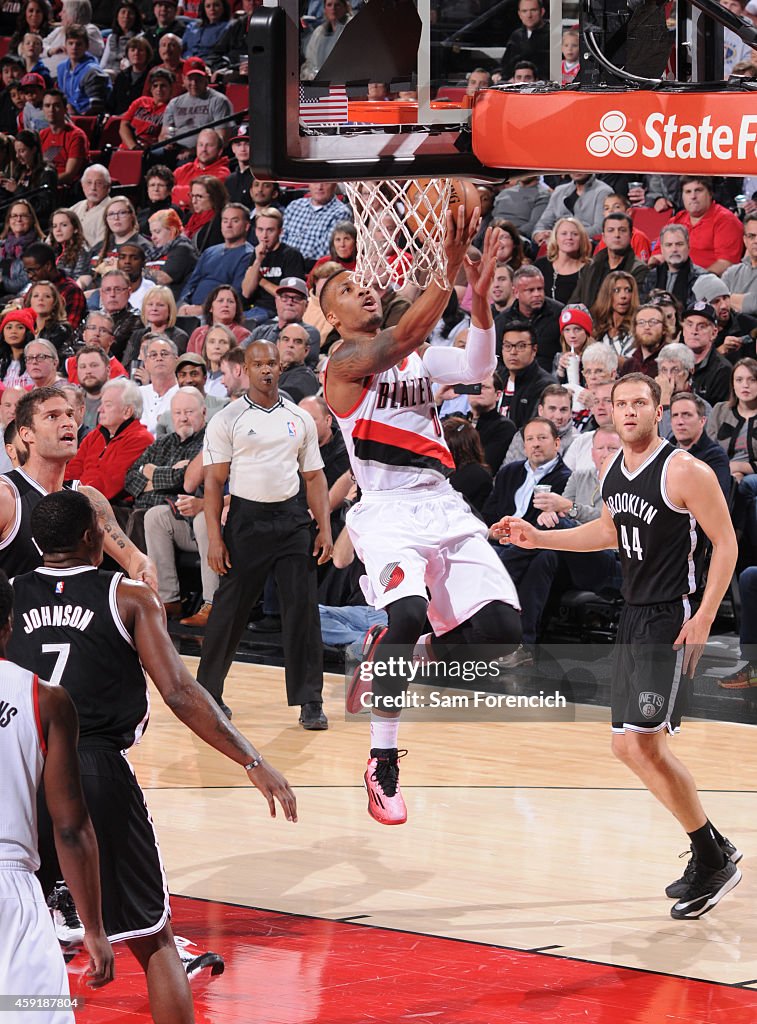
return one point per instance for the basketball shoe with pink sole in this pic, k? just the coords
(382, 782)
(358, 686)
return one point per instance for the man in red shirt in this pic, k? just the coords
(716, 236)
(141, 124)
(63, 145)
(209, 160)
(107, 452)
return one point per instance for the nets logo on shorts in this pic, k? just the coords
(391, 576)
(651, 704)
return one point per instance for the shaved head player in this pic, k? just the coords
(415, 535)
(654, 497)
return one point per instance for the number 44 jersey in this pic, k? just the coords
(67, 629)
(656, 539)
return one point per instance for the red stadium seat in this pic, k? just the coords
(649, 221)
(5, 43)
(126, 167)
(109, 136)
(238, 95)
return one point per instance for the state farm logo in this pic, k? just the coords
(612, 137)
(664, 135)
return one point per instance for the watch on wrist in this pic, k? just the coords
(573, 511)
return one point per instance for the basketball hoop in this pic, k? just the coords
(400, 231)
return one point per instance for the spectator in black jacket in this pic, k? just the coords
(688, 416)
(734, 338)
(529, 42)
(711, 379)
(494, 430)
(524, 378)
(619, 255)
(541, 313)
(239, 181)
(671, 269)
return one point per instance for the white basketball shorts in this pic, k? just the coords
(430, 543)
(31, 963)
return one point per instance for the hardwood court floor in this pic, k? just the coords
(521, 837)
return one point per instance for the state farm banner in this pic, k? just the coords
(631, 132)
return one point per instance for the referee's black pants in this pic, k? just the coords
(262, 537)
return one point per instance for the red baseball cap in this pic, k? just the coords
(195, 66)
(33, 79)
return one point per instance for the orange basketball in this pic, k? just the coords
(425, 199)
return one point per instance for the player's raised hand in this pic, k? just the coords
(481, 271)
(274, 786)
(102, 969)
(510, 530)
(457, 238)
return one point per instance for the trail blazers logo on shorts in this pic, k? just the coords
(651, 704)
(391, 576)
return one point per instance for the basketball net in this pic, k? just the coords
(400, 231)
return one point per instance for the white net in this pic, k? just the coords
(400, 231)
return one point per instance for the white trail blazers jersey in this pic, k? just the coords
(393, 434)
(22, 758)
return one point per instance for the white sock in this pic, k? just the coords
(384, 732)
(421, 651)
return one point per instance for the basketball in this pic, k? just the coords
(425, 201)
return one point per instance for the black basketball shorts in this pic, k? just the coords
(649, 690)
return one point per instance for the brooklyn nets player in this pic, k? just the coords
(92, 632)
(654, 497)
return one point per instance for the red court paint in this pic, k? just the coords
(283, 969)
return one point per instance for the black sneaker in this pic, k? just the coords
(312, 717)
(68, 928)
(193, 961)
(706, 890)
(676, 889)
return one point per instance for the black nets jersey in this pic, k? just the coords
(656, 539)
(18, 552)
(67, 629)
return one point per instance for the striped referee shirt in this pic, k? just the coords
(267, 448)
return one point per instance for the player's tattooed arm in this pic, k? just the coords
(118, 545)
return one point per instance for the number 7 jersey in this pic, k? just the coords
(656, 539)
(67, 629)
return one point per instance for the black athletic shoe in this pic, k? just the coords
(706, 890)
(68, 928)
(193, 961)
(676, 889)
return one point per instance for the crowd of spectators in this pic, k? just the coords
(142, 302)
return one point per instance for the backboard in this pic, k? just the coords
(317, 78)
(312, 118)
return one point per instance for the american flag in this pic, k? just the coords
(321, 106)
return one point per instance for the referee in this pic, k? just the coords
(261, 443)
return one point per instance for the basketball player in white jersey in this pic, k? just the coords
(415, 535)
(655, 496)
(38, 731)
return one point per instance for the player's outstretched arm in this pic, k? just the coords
(144, 618)
(597, 535)
(356, 359)
(118, 545)
(74, 836)
(693, 485)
